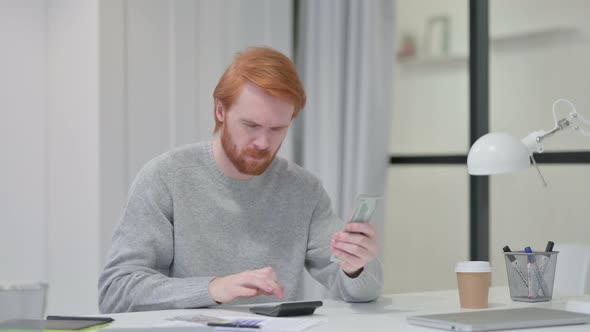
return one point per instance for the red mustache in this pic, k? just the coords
(257, 153)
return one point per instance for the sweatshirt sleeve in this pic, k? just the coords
(136, 275)
(324, 223)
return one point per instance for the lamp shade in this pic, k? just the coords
(496, 153)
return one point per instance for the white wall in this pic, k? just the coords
(89, 91)
(23, 106)
(112, 118)
(50, 140)
(427, 228)
(73, 141)
(431, 93)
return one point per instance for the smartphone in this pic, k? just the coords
(365, 206)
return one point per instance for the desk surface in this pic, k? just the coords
(388, 313)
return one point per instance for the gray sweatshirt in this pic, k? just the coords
(185, 222)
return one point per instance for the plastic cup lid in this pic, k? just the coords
(473, 266)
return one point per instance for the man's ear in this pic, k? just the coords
(219, 111)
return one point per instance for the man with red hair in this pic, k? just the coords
(228, 221)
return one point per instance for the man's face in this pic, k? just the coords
(253, 129)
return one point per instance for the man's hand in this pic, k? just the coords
(355, 247)
(246, 284)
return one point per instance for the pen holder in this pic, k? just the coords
(530, 275)
(20, 302)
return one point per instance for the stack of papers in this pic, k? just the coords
(287, 324)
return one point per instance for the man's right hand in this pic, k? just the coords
(246, 284)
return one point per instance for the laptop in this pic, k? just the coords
(504, 319)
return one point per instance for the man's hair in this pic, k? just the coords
(268, 69)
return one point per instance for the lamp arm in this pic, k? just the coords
(573, 118)
(534, 140)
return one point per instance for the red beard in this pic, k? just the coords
(238, 158)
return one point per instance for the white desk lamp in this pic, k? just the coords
(496, 153)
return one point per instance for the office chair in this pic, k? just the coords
(572, 269)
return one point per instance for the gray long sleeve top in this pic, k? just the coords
(185, 222)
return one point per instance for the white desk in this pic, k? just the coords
(386, 314)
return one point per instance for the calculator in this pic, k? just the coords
(284, 309)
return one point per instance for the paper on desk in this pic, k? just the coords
(288, 324)
(267, 323)
(163, 328)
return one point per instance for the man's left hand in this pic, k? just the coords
(355, 247)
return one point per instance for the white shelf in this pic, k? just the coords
(544, 33)
(520, 38)
(536, 33)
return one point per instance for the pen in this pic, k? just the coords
(545, 258)
(533, 269)
(532, 291)
(236, 324)
(549, 247)
(515, 265)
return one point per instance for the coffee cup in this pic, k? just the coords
(473, 280)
